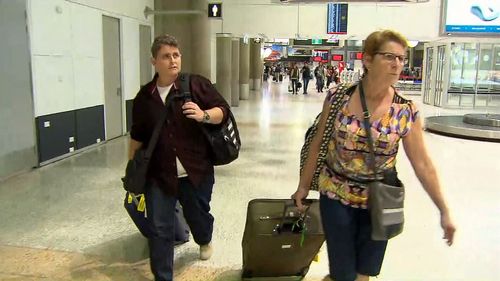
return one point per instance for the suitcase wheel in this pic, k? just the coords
(304, 271)
(246, 274)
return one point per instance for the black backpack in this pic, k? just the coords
(224, 138)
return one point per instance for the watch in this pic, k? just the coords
(206, 117)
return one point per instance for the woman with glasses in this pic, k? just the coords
(353, 255)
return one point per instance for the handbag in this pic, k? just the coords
(134, 180)
(335, 106)
(386, 196)
(135, 205)
(224, 138)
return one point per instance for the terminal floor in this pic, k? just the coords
(65, 221)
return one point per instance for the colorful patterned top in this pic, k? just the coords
(346, 162)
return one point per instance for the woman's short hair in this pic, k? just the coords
(377, 39)
(162, 40)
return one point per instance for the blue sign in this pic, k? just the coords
(336, 18)
(473, 28)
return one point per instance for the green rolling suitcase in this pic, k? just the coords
(279, 242)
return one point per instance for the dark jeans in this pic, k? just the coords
(294, 85)
(319, 83)
(306, 83)
(160, 209)
(350, 248)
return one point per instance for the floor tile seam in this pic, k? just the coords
(14, 274)
(40, 249)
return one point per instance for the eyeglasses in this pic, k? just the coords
(392, 57)
(173, 56)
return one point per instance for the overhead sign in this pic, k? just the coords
(471, 17)
(336, 18)
(215, 10)
(309, 42)
(316, 41)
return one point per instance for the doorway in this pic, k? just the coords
(113, 101)
(428, 72)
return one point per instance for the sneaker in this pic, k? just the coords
(206, 251)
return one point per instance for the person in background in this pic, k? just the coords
(329, 76)
(353, 256)
(180, 167)
(336, 75)
(319, 73)
(306, 76)
(294, 76)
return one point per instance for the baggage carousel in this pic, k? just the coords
(469, 126)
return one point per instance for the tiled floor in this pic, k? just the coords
(65, 221)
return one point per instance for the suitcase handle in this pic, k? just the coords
(287, 205)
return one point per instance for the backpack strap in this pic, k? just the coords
(185, 94)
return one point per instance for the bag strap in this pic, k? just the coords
(156, 131)
(185, 94)
(335, 106)
(368, 128)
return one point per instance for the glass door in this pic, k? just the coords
(428, 72)
(485, 84)
(438, 88)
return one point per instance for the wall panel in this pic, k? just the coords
(53, 84)
(68, 71)
(50, 28)
(88, 82)
(131, 56)
(86, 32)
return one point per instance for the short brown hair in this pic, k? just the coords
(377, 39)
(162, 40)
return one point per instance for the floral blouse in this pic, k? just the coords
(347, 167)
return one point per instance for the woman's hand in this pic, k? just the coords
(448, 228)
(192, 111)
(300, 194)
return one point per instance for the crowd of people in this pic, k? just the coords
(324, 75)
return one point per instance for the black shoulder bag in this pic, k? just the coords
(134, 180)
(385, 197)
(224, 138)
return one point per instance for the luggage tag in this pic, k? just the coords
(316, 258)
(303, 235)
(301, 223)
(142, 204)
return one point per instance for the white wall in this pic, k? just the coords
(130, 57)
(66, 50)
(416, 21)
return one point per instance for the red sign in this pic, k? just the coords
(341, 66)
(359, 56)
(337, 57)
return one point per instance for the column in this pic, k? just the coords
(235, 71)
(244, 69)
(182, 19)
(224, 47)
(255, 64)
(200, 42)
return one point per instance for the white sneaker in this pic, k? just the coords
(206, 251)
